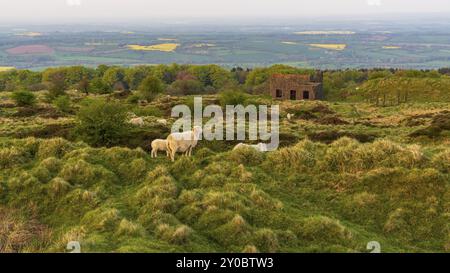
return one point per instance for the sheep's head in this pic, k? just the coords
(197, 131)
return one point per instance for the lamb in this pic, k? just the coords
(159, 145)
(137, 121)
(183, 142)
(260, 147)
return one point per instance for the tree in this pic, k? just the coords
(113, 75)
(150, 87)
(212, 75)
(186, 87)
(24, 98)
(75, 74)
(135, 75)
(83, 85)
(98, 86)
(57, 84)
(102, 123)
(167, 73)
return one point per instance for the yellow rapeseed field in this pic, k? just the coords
(30, 34)
(167, 39)
(330, 46)
(168, 47)
(6, 68)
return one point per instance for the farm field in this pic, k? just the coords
(328, 45)
(347, 171)
(158, 47)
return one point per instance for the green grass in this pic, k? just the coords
(332, 194)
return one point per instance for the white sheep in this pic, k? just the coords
(290, 116)
(260, 147)
(162, 121)
(183, 142)
(138, 121)
(159, 145)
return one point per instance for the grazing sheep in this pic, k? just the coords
(290, 116)
(162, 121)
(137, 121)
(260, 147)
(183, 142)
(159, 145)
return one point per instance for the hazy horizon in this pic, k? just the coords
(171, 11)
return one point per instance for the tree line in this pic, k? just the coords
(189, 79)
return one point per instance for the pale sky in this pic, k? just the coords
(73, 10)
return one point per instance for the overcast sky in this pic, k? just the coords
(99, 10)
